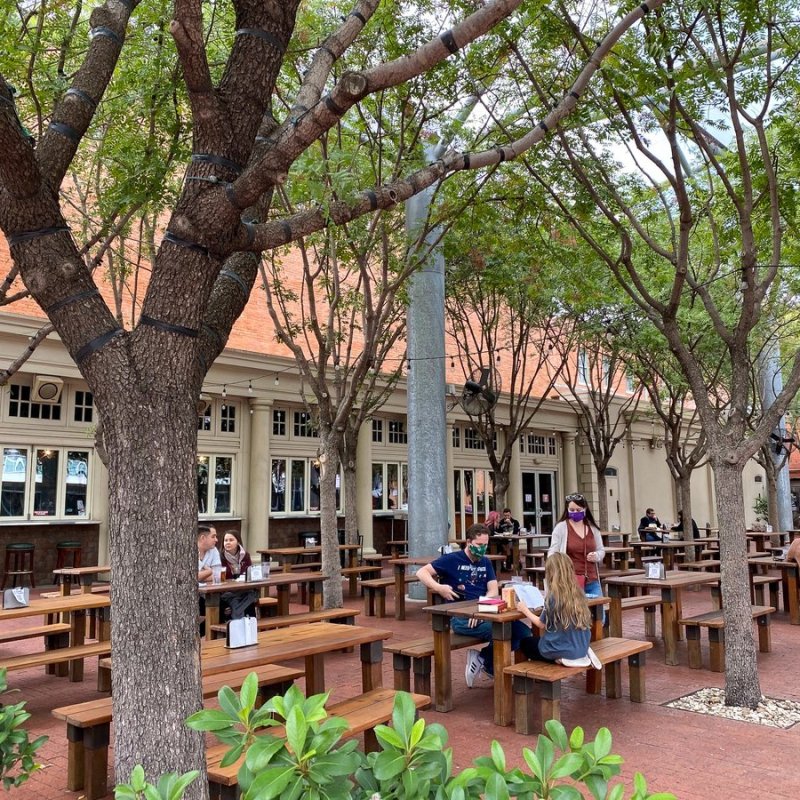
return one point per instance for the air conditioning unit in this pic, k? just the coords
(46, 389)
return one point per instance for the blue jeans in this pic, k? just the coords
(593, 589)
(483, 631)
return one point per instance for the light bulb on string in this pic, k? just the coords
(277, 379)
(250, 387)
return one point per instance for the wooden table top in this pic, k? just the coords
(57, 605)
(777, 563)
(297, 551)
(285, 644)
(78, 571)
(469, 608)
(419, 561)
(674, 579)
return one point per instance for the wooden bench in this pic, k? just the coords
(58, 655)
(56, 629)
(89, 724)
(375, 594)
(270, 603)
(361, 713)
(649, 602)
(757, 584)
(713, 620)
(704, 565)
(345, 616)
(371, 571)
(537, 684)
(419, 654)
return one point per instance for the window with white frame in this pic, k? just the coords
(397, 432)
(456, 437)
(536, 445)
(304, 425)
(214, 484)
(551, 446)
(44, 482)
(204, 418)
(473, 439)
(21, 406)
(629, 383)
(278, 422)
(227, 417)
(84, 406)
(474, 493)
(389, 486)
(295, 486)
(377, 431)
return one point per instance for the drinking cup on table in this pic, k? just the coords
(216, 574)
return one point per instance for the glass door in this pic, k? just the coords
(538, 501)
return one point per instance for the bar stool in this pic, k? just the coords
(19, 562)
(65, 550)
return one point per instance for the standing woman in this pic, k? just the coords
(577, 535)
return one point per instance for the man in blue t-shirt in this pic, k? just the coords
(468, 575)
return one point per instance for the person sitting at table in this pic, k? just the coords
(678, 526)
(650, 527)
(793, 553)
(508, 526)
(564, 623)
(207, 559)
(236, 559)
(577, 535)
(467, 575)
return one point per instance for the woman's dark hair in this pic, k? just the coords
(233, 532)
(579, 500)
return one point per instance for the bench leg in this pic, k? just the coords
(380, 602)
(402, 672)
(613, 671)
(371, 741)
(266, 693)
(95, 760)
(550, 704)
(526, 705)
(216, 791)
(693, 646)
(74, 758)
(369, 601)
(422, 675)
(773, 595)
(650, 622)
(764, 635)
(104, 679)
(757, 594)
(716, 649)
(636, 664)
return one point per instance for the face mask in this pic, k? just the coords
(577, 516)
(478, 550)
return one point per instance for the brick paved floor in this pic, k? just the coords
(694, 756)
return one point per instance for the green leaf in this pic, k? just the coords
(262, 751)
(232, 756)
(498, 756)
(496, 788)
(557, 733)
(388, 764)
(598, 786)
(417, 730)
(602, 743)
(271, 782)
(576, 738)
(296, 731)
(249, 692)
(209, 720)
(566, 765)
(229, 702)
(403, 715)
(388, 736)
(534, 763)
(138, 781)
(564, 792)
(617, 793)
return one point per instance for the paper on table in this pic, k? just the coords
(529, 594)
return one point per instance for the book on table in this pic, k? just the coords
(491, 605)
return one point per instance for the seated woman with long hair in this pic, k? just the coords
(564, 623)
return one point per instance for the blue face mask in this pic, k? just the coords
(576, 516)
(478, 550)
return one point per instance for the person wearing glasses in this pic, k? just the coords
(578, 535)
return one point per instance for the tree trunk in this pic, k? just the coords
(602, 500)
(350, 502)
(773, 515)
(152, 490)
(501, 484)
(742, 686)
(331, 567)
(685, 505)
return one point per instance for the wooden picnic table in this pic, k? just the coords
(283, 555)
(312, 642)
(76, 606)
(441, 615)
(790, 570)
(397, 547)
(282, 581)
(622, 551)
(762, 539)
(666, 549)
(399, 570)
(86, 576)
(671, 586)
(623, 536)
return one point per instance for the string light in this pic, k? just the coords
(277, 379)
(250, 387)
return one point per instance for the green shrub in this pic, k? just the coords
(309, 759)
(169, 787)
(16, 750)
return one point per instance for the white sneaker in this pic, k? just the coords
(596, 662)
(576, 662)
(474, 667)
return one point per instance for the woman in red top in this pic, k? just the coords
(578, 535)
